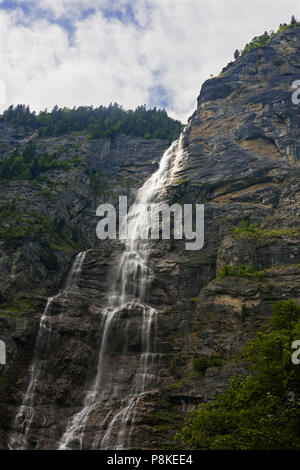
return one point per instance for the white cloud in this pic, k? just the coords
(175, 44)
(72, 8)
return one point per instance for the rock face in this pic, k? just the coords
(242, 160)
(44, 224)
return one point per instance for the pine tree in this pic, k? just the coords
(293, 20)
(236, 54)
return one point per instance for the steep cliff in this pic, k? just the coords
(241, 159)
(45, 222)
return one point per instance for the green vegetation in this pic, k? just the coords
(236, 54)
(168, 310)
(200, 365)
(97, 122)
(194, 374)
(63, 242)
(181, 381)
(26, 164)
(98, 184)
(167, 420)
(293, 24)
(103, 122)
(249, 231)
(258, 41)
(245, 228)
(240, 270)
(203, 362)
(19, 306)
(16, 225)
(180, 181)
(261, 411)
(23, 225)
(263, 40)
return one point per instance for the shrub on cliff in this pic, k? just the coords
(203, 362)
(28, 165)
(261, 411)
(239, 270)
(263, 40)
(257, 41)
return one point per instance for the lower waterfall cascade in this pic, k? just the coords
(24, 417)
(127, 296)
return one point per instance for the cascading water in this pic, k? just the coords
(127, 297)
(18, 439)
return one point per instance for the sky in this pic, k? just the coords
(133, 52)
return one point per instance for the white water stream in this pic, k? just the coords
(18, 440)
(128, 293)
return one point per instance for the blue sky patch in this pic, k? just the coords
(160, 97)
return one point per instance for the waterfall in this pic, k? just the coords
(18, 439)
(127, 296)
